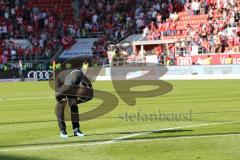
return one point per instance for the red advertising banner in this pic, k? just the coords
(206, 59)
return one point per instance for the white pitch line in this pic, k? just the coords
(177, 138)
(173, 128)
(121, 141)
(123, 138)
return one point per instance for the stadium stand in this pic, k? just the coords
(50, 25)
(212, 25)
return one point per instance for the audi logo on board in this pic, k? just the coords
(40, 75)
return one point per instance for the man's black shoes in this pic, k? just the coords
(63, 134)
(77, 132)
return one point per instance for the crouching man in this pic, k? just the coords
(72, 87)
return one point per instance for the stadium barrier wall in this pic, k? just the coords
(216, 59)
(195, 72)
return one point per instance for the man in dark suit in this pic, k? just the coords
(72, 87)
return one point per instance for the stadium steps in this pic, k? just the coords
(191, 22)
(198, 17)
(184, 20)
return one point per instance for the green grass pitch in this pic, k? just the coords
(28, 127)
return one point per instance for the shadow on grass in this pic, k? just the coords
(11, 157)
(87, 141)
(153, 135)
(164, 131)
(27, 122)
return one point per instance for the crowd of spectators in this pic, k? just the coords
(218, 34)
(47, 30)
(20, 20)
(118, 18)
(114, 18)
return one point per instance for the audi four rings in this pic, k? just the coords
(40, 75)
